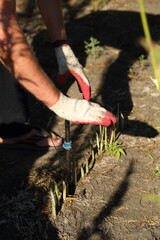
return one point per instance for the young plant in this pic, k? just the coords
(92, 47)
(64, 194)
(141, 61)
(98, 4)
(56, 192)
(156, 170)
(131, 71)
(54, 204)
(115, 149)
(87, 167)
(108, 144)
(82, 172)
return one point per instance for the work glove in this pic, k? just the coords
(82, 111)
(69, 64)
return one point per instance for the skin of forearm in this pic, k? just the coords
(51, 11)
(18, 58)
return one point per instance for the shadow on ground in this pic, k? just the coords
(115, 201)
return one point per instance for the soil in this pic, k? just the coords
(112, 202)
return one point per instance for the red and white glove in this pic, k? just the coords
(82, 111)
(69, 64)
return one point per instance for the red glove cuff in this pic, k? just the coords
(59, 43)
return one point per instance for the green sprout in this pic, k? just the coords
(82, 172)
(115, 149)
(98, 4)
(54, 204)
(56, 192)
(87, 166)
(92, 48)
(108, 145)
(131, 71)
(64, 194)
(156, 170)
(141, 61)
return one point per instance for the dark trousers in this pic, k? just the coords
(14, 111)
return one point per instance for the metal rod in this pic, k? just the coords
(67, 131)
(68, 154)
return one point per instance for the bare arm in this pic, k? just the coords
(51, 11)
(18, 58)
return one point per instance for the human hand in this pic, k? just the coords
(69, 64)
(82, 111)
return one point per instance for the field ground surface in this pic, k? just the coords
(113, 202)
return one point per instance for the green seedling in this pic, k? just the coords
(115, 149)
(152, 48)
(92, 48)
(82, 172)
(112, 136)
(87, 167)
(108, 145)
(156, 170)
(141, 61)
(84, 169)
(56, 192)
(131, 71)
(101, 139)
(64, 194)
(97, 5)
(93, 155)
(54, 203)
